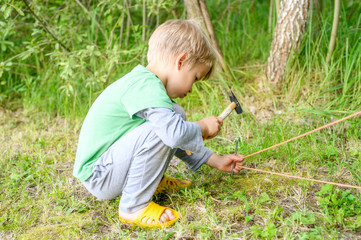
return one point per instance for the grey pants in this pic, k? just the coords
(132, 167)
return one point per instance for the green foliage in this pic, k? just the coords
(67, 52)
(299, 217)
(339, 82)
(339, 205)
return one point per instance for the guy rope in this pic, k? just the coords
(302, 135)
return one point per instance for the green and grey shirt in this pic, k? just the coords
(114, 114)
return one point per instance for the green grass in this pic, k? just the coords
(39, 196)
(45, 94)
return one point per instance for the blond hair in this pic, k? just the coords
(182, 36)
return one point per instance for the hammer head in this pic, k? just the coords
(234, 99)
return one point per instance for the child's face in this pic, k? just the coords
(181, 80)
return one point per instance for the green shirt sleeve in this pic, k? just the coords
(145, 93)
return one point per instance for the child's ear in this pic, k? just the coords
(180, 60)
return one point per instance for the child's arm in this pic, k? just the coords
(196, 160)
(178, 133)
(224, 163)
(210, 126)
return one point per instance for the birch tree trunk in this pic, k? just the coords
(291, 22)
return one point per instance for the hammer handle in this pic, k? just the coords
(223, 115)
(228, 110)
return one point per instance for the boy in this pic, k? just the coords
(133, 129)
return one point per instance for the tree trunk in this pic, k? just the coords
(336, 16)
(197, 9)
(288, 32)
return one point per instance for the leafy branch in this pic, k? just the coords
(45, 26)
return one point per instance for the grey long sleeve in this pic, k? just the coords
(178, 133)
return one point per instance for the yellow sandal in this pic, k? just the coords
(152, 213)
(170, 183)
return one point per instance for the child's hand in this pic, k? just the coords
(210, 126)
(224, 163)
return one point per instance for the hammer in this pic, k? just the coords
(234, 105)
